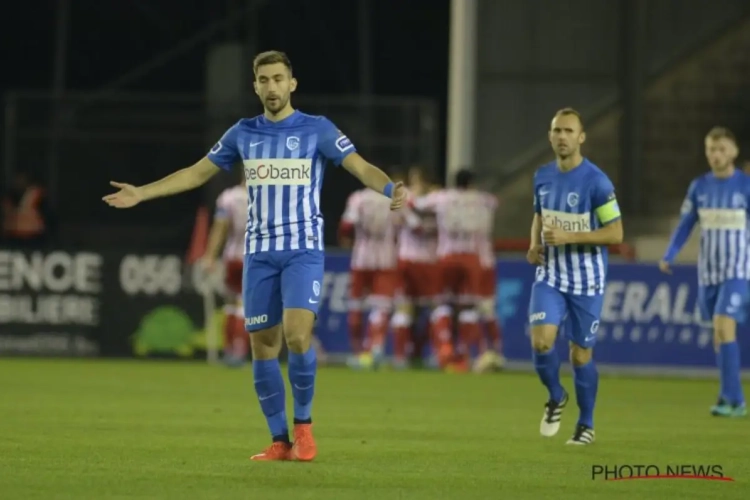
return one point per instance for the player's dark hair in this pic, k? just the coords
(571, 112)
(464, 178)
(717, 133)
(271, 57)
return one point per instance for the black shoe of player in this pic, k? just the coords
(582, 436)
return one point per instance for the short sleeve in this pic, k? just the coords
(351, 213)
(226, 153)
(223, 209)
(604, 201)
(332, 143)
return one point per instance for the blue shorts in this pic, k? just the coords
(274, 281)
(726, 299)
(581, 313)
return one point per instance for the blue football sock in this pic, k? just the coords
(730, 372)
(269, 386)
(548, 367)
(724, 393)
(587, 382)
(302, 370)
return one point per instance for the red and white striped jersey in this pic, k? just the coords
(375, 229)
(417, 239)
(232, 206)
(463, 218)
(486, 245)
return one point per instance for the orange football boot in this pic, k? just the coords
(304, 448)
(276, 452)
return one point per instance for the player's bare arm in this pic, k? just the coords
(178, 182)
(535, 255)
(374, 178)
(216, 240)
(611, 234)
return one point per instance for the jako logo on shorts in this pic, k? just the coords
(537, 317)
(257, 320)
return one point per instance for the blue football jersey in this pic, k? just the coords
(721, 206)
(284, 163)
(579, 200)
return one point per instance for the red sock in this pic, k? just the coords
(377, 328)
(494, 333)
(401, 337)
(468, 335)
(442, 334)
(241, 341)
(469, 331)
(355, 331)
(228, 332)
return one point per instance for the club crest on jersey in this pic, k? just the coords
(316, 288)
(292, 143)
(738, 200)
(572, 199)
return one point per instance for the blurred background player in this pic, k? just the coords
(460, 214)
(490, 343)
(576, 218)
(719, 199)
(284, 153)
(228, 231)
(373, 229)
(418, 275)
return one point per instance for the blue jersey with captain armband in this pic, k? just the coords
(284, 163)
(579, 200)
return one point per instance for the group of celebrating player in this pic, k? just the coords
(435, 256)
(576, 218)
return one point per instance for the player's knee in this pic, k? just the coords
(543, 337)
(468, 316)
(725, 329)
(298, 326)
(405, 309)
(579, 356)
(401, 319)
(486, 308)
(266, 343)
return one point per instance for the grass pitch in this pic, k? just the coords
(118, 429)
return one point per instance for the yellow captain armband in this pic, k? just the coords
(608, 212)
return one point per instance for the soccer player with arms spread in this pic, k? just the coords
(228, 231)
(719, 201)
(284, 153)
(576, 217)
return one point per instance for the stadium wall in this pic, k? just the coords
(122, 304)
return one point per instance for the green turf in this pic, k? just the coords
(100, 430)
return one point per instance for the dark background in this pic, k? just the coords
(404, 48)
(132, 100)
